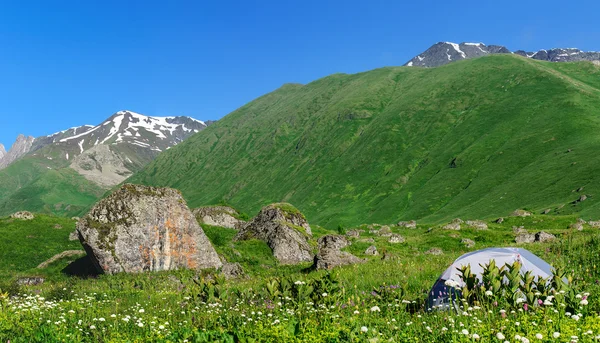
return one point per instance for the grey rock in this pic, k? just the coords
(579, 189)
(412, 224)
(336, 242)
(594, 224)
(233, 271)
(75, 218)
(385, 231)
(23, 215)
(520, 213)
(74, 236)
(446, 52)
(525, 238)
(222, 216)
(330, 256)
(395, 238)
(372, 250)
(546, 211)
(2, 151)
(139, 228)
(353, 233)
(284, 229)
(518, 230)
(30, 280)
(453, 225)
(434, 251)
(544, 237)
(499, 220)
(103, 165)
(469, 243)
(19, 148)
(582, 198)
(477, 224)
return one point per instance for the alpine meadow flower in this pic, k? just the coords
(556, 335)
(500, 336)
(364, 329)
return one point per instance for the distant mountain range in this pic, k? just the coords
(445, 52)
(94, 158)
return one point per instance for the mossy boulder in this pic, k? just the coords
(139, 228)
(330, 254)
(284, 229)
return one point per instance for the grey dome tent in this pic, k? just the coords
(441, 296)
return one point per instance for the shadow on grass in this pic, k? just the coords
(82, 267)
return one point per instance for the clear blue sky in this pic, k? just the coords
(68, 63)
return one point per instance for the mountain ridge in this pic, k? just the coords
(443, 53)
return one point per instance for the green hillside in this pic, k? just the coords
(473, 139)
(45, 185)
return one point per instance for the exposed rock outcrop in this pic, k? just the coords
(23, 215)
(395, 239)
(408, 225)
(284, 229)
(372, 250)
(101, 165)
(469, 243)
(140, 228)
(233, 271)
(520, 213)
(2, 151)
(354, 233)
(74, 236)
(524, 237)
(453, 225)
(330, 256)
(222, 216)
(19, 148)
(477, 224)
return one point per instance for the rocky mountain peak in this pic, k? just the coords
(19, 148)
(445, 52)
(2, 151)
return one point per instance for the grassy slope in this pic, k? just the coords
(48, 186)
(27, 243)
(379, 146)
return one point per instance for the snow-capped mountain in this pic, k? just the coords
(445, 52)
(109, 152)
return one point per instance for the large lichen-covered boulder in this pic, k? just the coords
(222, 216)
(139, 228)
(284, 229)
(330, 255)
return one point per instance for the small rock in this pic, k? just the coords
(372, 250)
(30, 280)
(546, 211)
(544, 237)
(387, 256)
(434, 251)
(412, 224)
(395, 238)
(582, 198)
(520, 213)
(74, 236)
(499, 220)
(594, 224)
(477, 224)
(385, 231)
(579, 189)
(518, 230)
(367, 240)
(336, 242)
(525, 238)
(453, 225)
(57, 226)
(469, 243)
(353, 233)
(233, 271)
(23, 215)
(75, 219)
(454, 235)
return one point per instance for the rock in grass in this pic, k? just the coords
(385, 231)
(23, 215)
(594, 224)
(411, 224)
(546, 211)
(330, 256)
(139, 228)
(453, 225)
(544, 237)
(525, 238)
(372, 250)
(395, 239)
(477, 224)
(520, 213)
(30, 280)
(469, 243)
(233, 271)
(222, 216)
(499, 220)
(434, 251)
(353, 233)
(284, 229)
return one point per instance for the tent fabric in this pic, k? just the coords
(440, 296)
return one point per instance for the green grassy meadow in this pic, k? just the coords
(375, 301)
